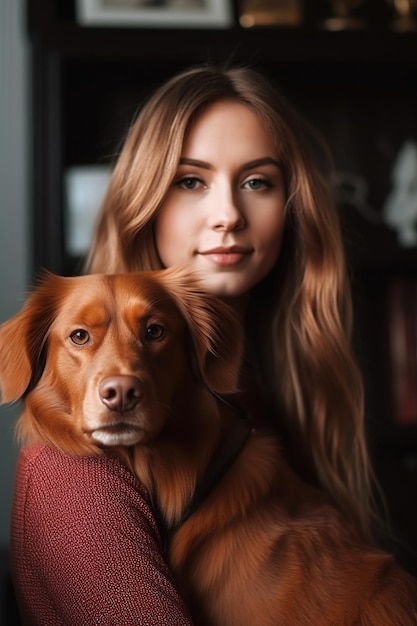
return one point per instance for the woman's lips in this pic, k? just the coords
(226, 256)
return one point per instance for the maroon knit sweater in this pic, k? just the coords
(85, 545)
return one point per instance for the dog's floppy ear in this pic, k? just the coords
(215, 329)
(23, 338)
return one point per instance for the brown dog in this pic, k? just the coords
(135, 362)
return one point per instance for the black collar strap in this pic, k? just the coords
(227, 452)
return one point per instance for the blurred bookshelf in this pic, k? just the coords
(355, 80)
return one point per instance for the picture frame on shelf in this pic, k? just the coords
(155, 13)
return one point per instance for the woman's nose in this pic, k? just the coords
(226, 214)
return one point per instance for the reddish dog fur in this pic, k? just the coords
(125, 364)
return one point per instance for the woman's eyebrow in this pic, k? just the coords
(262, 161)
(196, 163)
(246, 166)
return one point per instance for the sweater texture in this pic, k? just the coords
(85, 546)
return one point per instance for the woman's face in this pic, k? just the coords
(224, 213)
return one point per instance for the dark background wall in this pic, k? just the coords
(14, 248)
(71, 93)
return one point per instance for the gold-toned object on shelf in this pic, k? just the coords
(406, 14)
(285, 13)
(344, 15)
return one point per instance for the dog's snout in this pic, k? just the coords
(120, 393)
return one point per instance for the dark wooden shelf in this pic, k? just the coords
(271, 45)
(53, 23)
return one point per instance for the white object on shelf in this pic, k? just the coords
(85, 186)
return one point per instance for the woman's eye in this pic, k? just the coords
(257, 184)
(154, 332)
(189, 183)
(80, 337)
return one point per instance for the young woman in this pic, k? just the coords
(216, 173)
(207, 139)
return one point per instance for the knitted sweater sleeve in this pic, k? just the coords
(85, 546)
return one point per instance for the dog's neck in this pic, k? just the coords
(236, 428)
(184, 463)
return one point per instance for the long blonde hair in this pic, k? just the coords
(306, 365)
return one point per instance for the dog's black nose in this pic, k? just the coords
(120, 393)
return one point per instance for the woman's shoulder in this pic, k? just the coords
(49, 459)
(53, 464)
(46, 477)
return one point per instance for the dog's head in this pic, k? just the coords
(103, 359)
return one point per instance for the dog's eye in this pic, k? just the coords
(155, 332)
(80, 337)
